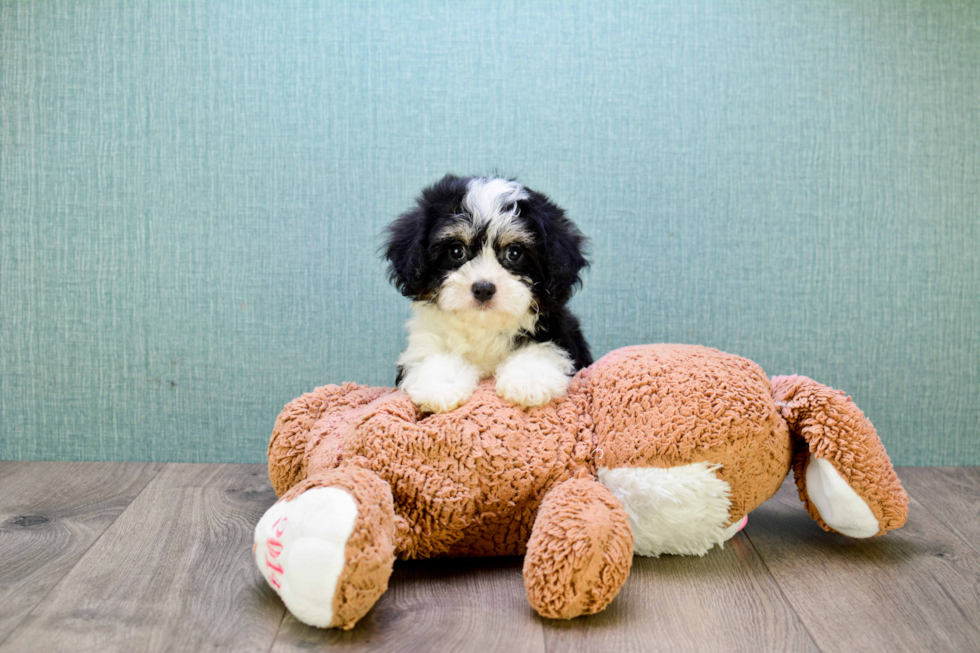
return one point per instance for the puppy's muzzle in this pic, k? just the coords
(483, 291)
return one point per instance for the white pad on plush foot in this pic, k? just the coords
(299, 548)
(838, 504)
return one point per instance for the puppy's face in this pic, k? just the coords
(486, 249)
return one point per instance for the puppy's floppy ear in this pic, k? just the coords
(564, 246)
(404, 249)
(407, 243)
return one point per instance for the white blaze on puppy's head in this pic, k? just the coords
(492, 203)
(490, 222)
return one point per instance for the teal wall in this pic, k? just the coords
(191, 195)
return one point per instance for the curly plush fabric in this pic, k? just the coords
(370, 550)
(299, 430)
(466, 483)
(831, 427)
(688, 438)
(580, 552)
(672, 405)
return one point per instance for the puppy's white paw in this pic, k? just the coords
(299, 548)
(440, 383)
(534, 376)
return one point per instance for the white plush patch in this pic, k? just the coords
(838, 504)
(681, 510)
(534, 375)
(440, 382)
(299, 548)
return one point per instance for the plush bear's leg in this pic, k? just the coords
(580, 551)
(327, 547)
(844, 476)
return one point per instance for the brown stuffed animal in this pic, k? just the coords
(654, 449)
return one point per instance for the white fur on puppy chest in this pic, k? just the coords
(682, 510)
(300, 550)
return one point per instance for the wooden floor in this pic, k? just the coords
(147, 557)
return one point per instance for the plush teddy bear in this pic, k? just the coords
(654, 449)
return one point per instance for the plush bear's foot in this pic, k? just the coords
(843, 473)
(299, 547)
(327, 546)
(580, 551)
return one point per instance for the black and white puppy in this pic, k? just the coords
(489, 265)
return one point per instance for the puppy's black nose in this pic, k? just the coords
(484, 291)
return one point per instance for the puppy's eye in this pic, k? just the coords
(457, 251)
(513, 254)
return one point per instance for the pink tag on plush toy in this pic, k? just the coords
(275, 548)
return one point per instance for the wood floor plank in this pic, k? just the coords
(173, 572)
(436, 605)
(951, 494)
(50, 514)
(79, 570)
(723, 601)
(914, 589)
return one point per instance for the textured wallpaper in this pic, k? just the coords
(191, 195)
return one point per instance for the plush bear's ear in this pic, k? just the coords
(564, 246)
(404, 249)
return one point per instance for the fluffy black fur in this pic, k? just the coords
(417, 265)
